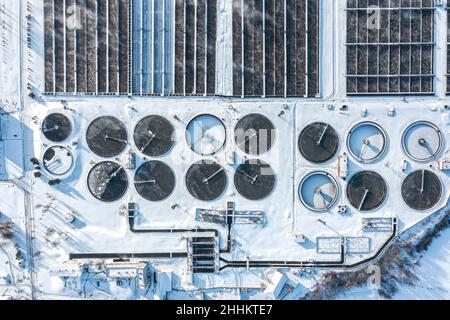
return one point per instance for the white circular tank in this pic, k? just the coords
(367, 142)
(319, 191)
(423, 141)
(58, 160)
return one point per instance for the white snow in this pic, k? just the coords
(13, 276)
(433, 273)
(9, 57)
(102, 228)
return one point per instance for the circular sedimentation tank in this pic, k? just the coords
(319, 191)
(206, 180)
(56, 127)
(108, 181)
(366, 190)
(107, 137)
(254, 134)
(206, 134)
(254, 179)
(367, 142)
(153, 136)
(58, 160)
(423, 141)
(318, 142)
(421, 190)
(154, 181)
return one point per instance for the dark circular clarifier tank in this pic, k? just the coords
(366, 190)
(206, 180)
(107, 137)
(153, 136)
(154, 181)
(254, 179)
(421, 190)
(56, 127)
(107, 181)
(254, 134)
(318, 142)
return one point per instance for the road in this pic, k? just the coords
(27, 147)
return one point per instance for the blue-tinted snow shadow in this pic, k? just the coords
(12, 133)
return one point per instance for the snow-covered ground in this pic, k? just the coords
(14, 277)
(103, 228)
(433, 273)
(9, 53)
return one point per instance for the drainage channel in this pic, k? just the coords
(152, 255)
(338, 264)
(311, 264)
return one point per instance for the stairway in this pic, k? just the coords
(202, 254)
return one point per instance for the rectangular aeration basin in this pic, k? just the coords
(276, 48)
(174, 47)
(86, 46)
(390, 47)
